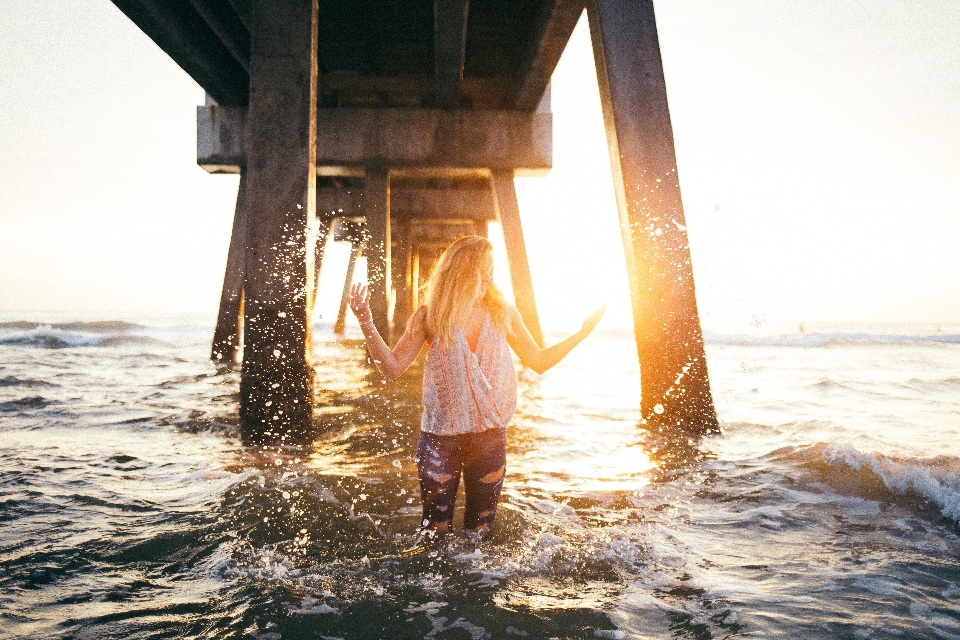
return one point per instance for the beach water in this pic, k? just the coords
(829, 506)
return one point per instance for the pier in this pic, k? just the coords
(399, 126)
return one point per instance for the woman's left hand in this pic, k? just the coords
(594, 319)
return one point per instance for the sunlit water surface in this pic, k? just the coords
(827, 508)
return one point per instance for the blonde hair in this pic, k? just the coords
(456, 285)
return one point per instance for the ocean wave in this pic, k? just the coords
(13, 381)
(84, 334)
(935, 480)
(32, 402)
(99, 326)
(828, 339)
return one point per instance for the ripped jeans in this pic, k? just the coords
(481, 457)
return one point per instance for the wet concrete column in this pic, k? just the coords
(675, 389)
(508, 211)
(276, 385)
(226, 336)
(376, 208)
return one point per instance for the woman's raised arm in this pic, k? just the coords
(531, 355)
(390, 362)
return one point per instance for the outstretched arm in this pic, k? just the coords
(531, 355)
(390, 362)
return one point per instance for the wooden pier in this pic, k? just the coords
(401, 125)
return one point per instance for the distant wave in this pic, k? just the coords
(72, 334)
(99, 326)
(22, 404)
(936, 479)
(13, 381)
(827, 339)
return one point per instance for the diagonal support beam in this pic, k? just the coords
(450, 43)
(508, 210)
(226, 337)
(551, 34)
(675, 388)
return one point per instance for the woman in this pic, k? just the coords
(469, 383)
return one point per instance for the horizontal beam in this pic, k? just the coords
(395, 138)
(421, 204)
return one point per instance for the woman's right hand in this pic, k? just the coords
(360, 302)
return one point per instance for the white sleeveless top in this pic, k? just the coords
(467, 392)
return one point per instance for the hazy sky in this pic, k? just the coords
(818, 147)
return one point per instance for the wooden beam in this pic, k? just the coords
(183, 35)
(276, 383)
(226, 336)
(675, 388)
(508, 210)
(450, 43)
(554, 26)
(376, 196)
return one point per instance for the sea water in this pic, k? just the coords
(828, 507)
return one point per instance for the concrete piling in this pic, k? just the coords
(508, 211)
(675, 388)
(226, 336)
(276, 385)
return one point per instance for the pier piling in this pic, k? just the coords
(675, 389)
(226, 336)
(276, 384)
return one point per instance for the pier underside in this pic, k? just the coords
(398, 126)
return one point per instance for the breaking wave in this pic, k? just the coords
(73, 334)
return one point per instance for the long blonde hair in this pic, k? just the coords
(456, 285)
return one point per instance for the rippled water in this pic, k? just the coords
(828, 507)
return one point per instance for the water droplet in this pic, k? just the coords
(279, 462)
(286, 495)
(658, 409)
(397, 463)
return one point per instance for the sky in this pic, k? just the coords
(818, 148)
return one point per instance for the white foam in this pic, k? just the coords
(936, 479)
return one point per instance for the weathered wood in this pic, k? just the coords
(226, 336)
(675, 388)
(376, 195)
(508, 210)
(554, 27)
(356, 250)
(184, 36)
(449, 43)
(276, 386)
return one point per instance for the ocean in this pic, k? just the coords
(828, 507)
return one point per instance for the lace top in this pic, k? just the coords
(466, 391)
